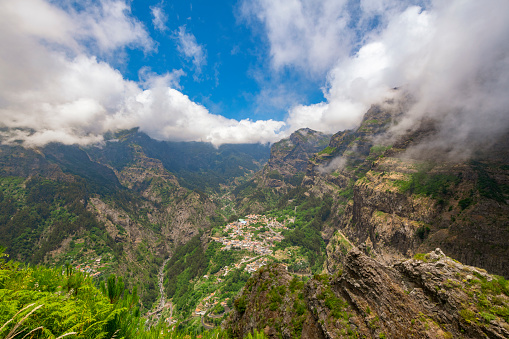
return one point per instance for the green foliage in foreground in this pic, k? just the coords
(40, 302)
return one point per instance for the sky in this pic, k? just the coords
(237, 71)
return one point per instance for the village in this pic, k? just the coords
(255, 233)
(93, 269)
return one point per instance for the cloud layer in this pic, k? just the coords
(190, 49)
(57, 82)
(451, 57)
(54, 88)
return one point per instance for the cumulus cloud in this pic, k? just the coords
(54, 89)
(190, 49)
(167, 114)
(159, 17)
(451, 57)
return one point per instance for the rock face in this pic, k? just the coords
(272, 301)
(398, 201)
(284, 171)
(289, 157)
(404, 206)
(436, 297)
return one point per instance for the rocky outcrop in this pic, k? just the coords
(350, 148)
(435, 297)
(289, 156)
(272, 301)
(403, 206)
(397, 201)
(284, 171)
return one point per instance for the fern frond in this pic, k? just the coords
(21, 322)
(24, 308)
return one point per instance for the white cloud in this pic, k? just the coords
(190, 49)
(167, 114)
(159, 17)
(111, 26)
(53, 89)
(310, 35)
(452, 57)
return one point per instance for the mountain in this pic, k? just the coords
(198, 165)
(289, 156)
(350, 211)
(398, 202)
(433, 296)
(285, 170)
(117, 203)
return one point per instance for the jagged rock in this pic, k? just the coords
(429, 298)
(272, 302)
(289, 156)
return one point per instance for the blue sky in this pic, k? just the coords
(235, 65)
(248, 70)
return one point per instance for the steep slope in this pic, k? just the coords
(284, 171)
(273, 301)
(58, 206)
(407, 204)
(289, 156)
(436, 297)
(197, 165)
(400, 194)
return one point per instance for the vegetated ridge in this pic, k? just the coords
(361, 202)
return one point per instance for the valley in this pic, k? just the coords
(281, 240)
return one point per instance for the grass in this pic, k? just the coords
(327, 150)
(423, 183)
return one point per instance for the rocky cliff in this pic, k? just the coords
(398, 194)
(284, 170)
(406, 204)
(436, 297)
(290, 155)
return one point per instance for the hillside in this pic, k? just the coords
(284, 171)
(432, 296)
(320, 212)
(114, 209)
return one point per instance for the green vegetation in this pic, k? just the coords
(282, 302)
(491, 299)
(371, 122)
(29, 208)
(435, 185)
(422, 257)
(341, 242)
(40, 302)
(338, 307)
(186, 285)
(187, 263)
(327, 150)
(423, 231)
(464, 203)
(378, 150)
(487, 186)
(310, 214)
(275, 175)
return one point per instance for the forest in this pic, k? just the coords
(57, 302)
